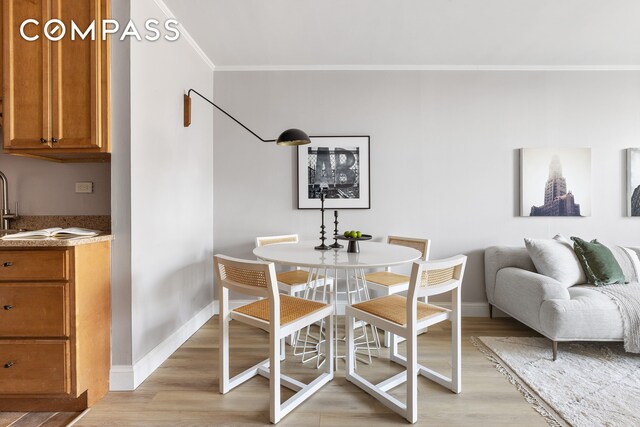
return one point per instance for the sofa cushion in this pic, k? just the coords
(587, 315)
(556, 258)
(598, 262)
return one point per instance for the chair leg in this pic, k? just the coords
(350, 350)
(490, 311)
(291, 339)
(274, 379)
(412, 379)
(456, 356)
(393, 347)
(329, 346)
(283, 351)
(555, 350)
(223, 341)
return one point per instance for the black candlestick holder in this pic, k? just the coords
(335, 245)
(322, 246)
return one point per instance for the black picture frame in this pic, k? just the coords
(356, 146)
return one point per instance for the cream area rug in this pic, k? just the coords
(590, 384)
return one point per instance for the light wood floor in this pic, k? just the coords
(184, 390)
(36, 419)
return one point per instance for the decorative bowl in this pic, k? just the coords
(353, 247)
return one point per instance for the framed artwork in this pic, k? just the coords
(633, 182)
(337, 166)
(555, 182)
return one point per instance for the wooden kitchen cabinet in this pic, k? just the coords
(55, 326)
(56, 93)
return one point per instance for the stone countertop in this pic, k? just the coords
(53, 242)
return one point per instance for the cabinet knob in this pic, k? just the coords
(8, 307)
(54, 140)
(8, 365)
(43, 141)
(7, 264)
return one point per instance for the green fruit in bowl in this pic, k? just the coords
(358, 234)
(347, 233)
(353, 234)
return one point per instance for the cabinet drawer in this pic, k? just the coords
(33, 265)
(34, 367)
(33, 310)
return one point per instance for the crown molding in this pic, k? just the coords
(185, 34)
(427, 67)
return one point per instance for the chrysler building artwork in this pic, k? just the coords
(562, 191)
(557, 201)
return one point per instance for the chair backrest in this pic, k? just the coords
(272, 240)
(257, 278)
(422, 245)
(436, 277)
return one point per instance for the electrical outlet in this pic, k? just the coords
(84, 187)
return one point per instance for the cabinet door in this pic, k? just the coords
(27, 83)
(35, 367)
(76, 78)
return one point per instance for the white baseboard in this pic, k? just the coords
(469, 309)
(121, 378)
(127, 377)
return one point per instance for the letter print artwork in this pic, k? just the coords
(337, 167)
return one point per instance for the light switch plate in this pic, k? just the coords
(84, 187)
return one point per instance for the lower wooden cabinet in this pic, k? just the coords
(35, 367)
(34, 310)
(55, 326)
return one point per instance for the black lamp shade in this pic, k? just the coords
(292, 137)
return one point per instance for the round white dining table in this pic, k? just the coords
(303, 254)
(328, 263)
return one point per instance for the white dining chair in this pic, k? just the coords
(389, 283)
(404, 317)
(293, 282)
(278, 315)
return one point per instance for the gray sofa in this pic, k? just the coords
(577, 313)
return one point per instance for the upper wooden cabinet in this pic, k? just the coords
(56, 93)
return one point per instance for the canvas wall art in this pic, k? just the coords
(555, 181)
(633, 181)
(338, 167)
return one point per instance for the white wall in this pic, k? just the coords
(169, 189)
(444, 163)
(121, 193)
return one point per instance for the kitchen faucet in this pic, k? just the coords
(5, 213)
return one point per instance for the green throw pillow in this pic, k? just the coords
(598, 262)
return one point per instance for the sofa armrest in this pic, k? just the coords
(542, 287)
(521, 293)
(498, 257)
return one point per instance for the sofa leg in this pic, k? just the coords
(555, 350)
(490, 311)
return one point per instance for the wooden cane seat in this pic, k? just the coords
(394, 309)
(291, 309)
(387, 278)
(295, 277)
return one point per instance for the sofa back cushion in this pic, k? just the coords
(556, 258)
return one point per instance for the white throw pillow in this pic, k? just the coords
(555, 258)
(635, 260)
